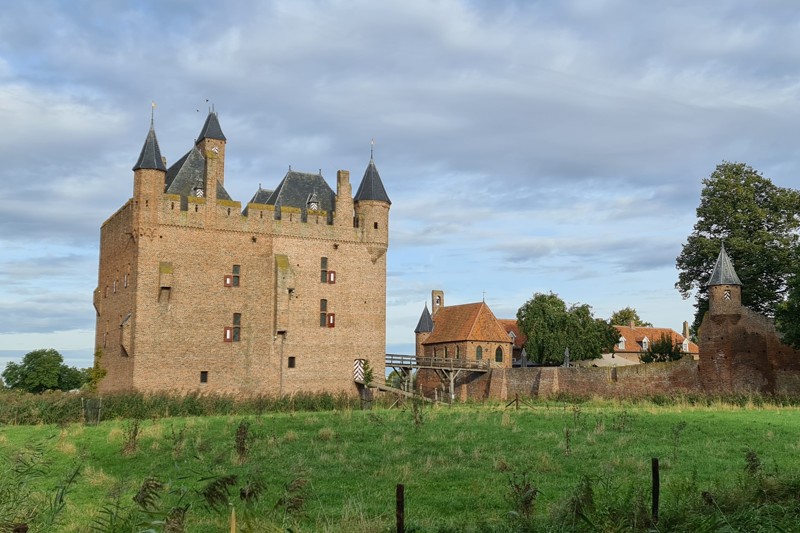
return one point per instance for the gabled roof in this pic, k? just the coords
(150, 157)
(371, 187)
(723, 273)
(211, 129)
(260, 197)
(296, 188)
(634, 335)
(511, 326)
(425, 324)
(188, 173)
(468, 322)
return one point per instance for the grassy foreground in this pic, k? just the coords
(546, 467)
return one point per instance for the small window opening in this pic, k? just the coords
(498, 355)
(195, 208)
(229, 211)
(479, 353)
(204, 376)
(291, 362)
(375, 225)
(323, 266)
(172, 206)
(237, 326)
(323, 313)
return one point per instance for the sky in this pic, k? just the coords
(526, 146)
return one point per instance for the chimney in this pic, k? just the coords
(632, 324)
(685, 329)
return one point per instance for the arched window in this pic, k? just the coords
(458, 351)
(479, 353)
(445, 351)
(498, 355)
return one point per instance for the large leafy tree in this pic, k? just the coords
(551, 327)
(626, 316)
(787, 315)
(42, 370)
(758, 221)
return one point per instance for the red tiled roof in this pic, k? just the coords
(510, 325)
(634, 335)
(468, 322)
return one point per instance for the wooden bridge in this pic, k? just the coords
(446, 363)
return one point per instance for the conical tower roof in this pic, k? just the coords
(425, 324)
(723, 273)
(150, 157)
(211, 129)
(371, 187)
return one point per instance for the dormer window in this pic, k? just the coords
(621, 345)
(512, 336)
(685, 345)
(645, 343)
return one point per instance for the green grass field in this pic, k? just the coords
(544, 467)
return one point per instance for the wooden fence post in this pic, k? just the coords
(400, 510)
(656, 489)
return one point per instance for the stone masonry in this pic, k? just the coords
(195, 293)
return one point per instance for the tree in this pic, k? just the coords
(661, 351)
(758, 221)
(551, 327)
(42, 370)
(626, 316)
(787, 313)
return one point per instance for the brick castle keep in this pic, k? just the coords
(195, 293)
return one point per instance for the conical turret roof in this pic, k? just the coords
(211, 129)
(723, 273)
(371, 187)
(425, 324)
(150, 158)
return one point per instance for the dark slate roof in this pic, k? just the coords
(425, 324)
(260, 197)
(188, 173)
(723, 273)
(150, 158)
(371, 187)
(296, 188)
(211, 129)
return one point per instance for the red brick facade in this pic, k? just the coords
(193, 294)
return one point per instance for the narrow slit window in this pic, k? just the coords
(292, 362)
(204, 376)
(237, 327)
(323, 313)
(323, 266)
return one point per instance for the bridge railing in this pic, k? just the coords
(435, 362)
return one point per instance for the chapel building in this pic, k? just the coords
(196, 293)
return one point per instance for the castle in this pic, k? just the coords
(196, 293)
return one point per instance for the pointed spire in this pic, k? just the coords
(371, 187)
(425, 324)
(150, 157)
(723, 273)
(211, 129)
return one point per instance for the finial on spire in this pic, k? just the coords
(371, 148)
(152, 112)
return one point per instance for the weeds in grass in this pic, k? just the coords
(131, 430)
(752, 462)
(178, 440)
(567, 441)
(677, 430)
(242, 443)
(417, 414)
(621, 422)
(216, 493)
(295, 494)
(522, 497)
